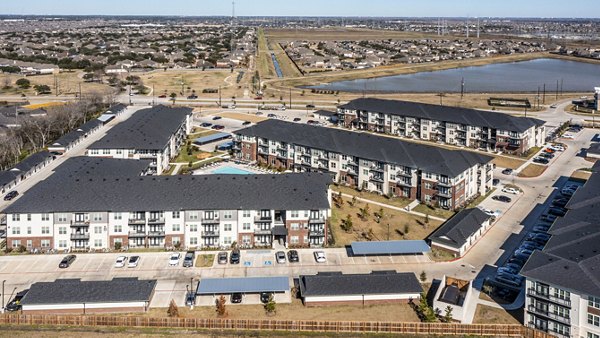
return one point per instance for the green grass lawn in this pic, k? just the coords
(432, 211)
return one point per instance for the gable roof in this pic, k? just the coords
(375, 283)
(368, 146)
(471, 117)
(148, 128)
(461, 226)
(75, 291)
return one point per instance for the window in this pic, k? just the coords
(62, 231)
(427, 185)
(295, 214)
(175, 214)
(365, 171)
(16, 231)
(97, 243)
(594, 302)
(16, 243)
(392, 177)
(97, 230)
(29, 230)
(119, 151)
(246, 226)
(118, 228)
(29, 217)
(592, 335)
(176, 227)
(62, 244)
(333, 165)
(227, 215)
(45, 217)
(594, 320)
(344, 157)
(118, 216)
(176, 240)
(193, 215)
(45, 243)
(16, 217)
(246, 213)
(106, 151)
(295, 226)
(193, 240)
(193, 227)
(97, 216)
(227, 240)
(227, 227)
(45, 230)
(62, 217)
(294, 239)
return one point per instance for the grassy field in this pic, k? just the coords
(532, 170)
(264, 65)
(205, 261)
(508, 162)
(401, 224)
(438, 212)
(297, 311)
(170, 81)
(243, 117)
(68, 84)
(489, 315)
(397, 202)
(581, 174)
(285, 63)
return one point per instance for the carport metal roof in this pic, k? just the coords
(212, 138)
(211, 286)
(389, 247)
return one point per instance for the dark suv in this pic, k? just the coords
(67, 261)
(235, 257)
(236, 298)
(188, 260)
(293, 256)
(265, 297)
(11, 195)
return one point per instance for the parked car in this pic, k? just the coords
(293, 256)
(540, 228)
(489, 212)
(310, 106)
(192, 97)
(507, 171)
(67, 261)
(280, 257)
(190, 299)
(216, 118)
(548, 218)
(524, 252)
(495, 182)
(133, 261)
(540, 160)
(540, 237)
(222, 257)
(320, 257)
(11, 195)
(560, 212)
(547, 156)
(568, 136)
(528, 245)
(271, 115)
(509, 190)
(550, 150)
(219, 127)
(312, 122)
(174, 259)
(206, 124)
(188, 259)
(502, 198)
(509, 280)
(259, 113)
(513, 266)
(163, 96)
(121, 261)
(15, 303)
(246, 123)
(508, 270)
(265, 297)
(236, 298)
(235, 257)
(560, 202)
(297, 119)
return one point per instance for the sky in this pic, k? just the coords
(391, 8)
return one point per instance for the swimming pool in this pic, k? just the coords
(231, 171)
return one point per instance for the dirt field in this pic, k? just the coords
(68, 84)
(489, 315)
(532, 170)
(508, 162)
(243, 117)
(401, 225)
(581, 174)
(170, 82)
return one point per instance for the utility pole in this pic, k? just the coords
(153, 102)
(80, 98)
(467, 28)
(462, 88)
(219, 96)
(290, 98)
(544, 95)
(478, 28)
(557, 89)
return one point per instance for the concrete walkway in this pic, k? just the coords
(394, 207)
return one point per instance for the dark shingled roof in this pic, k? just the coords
(148, 128)
(104, 187)
(78, 133)
(379, 148)
(376, 283)
(461, 226)
(571, 259)
(465, 116)
(75, 291)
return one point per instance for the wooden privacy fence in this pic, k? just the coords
(503, 330)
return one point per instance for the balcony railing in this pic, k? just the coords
(137, 234)
(376, 178)
(156, 221)
(210, 233)
(80, 223)
(80, 236)
(156, 234)
(209, 221)
(317, 220)
(533, 292)
(137, 221)
(262, 219)
(548, 314)
(444, 184)
(316, 233)
(262, 231)
(444, 194)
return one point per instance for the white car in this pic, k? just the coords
(557, 148)
(174, 259)
(568, 136)
(510, 190)
(121, 261)
(320, 257)
(490, 213)
(133, 261)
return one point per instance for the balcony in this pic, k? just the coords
(351, 171)
(209, 220)
(403, 173)
(376, 179)
(444, 194)
(156, 221)
(137, 234)
(263, 150)
(404, 183)
(318, 220)
(262, 219)
(322, 165)
(134, 221)
(156, 234)
(210, 233)
(564, 302)
(316, 233)
(80, 236)
(77, 224)
(281, 154)
(550, 315)
(262, 231)
(444, 184)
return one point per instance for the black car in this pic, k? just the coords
(547, 155)
(502, 198)
(297, 119)
(495, 182)
(540, 160)
(67, 261)
(561, 202)
(216, 118)
(236, 298)
(206, 124)
(246, 123)
(188, 260)
(219, 127)
(15, 304)
(557, 212)
(190, 299)
(293, 256)
(192, 97)
(310, 106)
(11, 195)
(235, 257)
(265, 297)
(507, 171)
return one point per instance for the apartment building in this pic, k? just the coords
(380, 164)
(93, 203)
(452, 125)
(155, 133)
(563, 280)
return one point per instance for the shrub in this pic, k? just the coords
(173, 310)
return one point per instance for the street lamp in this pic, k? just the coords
(3, 282)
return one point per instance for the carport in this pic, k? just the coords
(211, 138)
(210, 288)
(389, 248)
